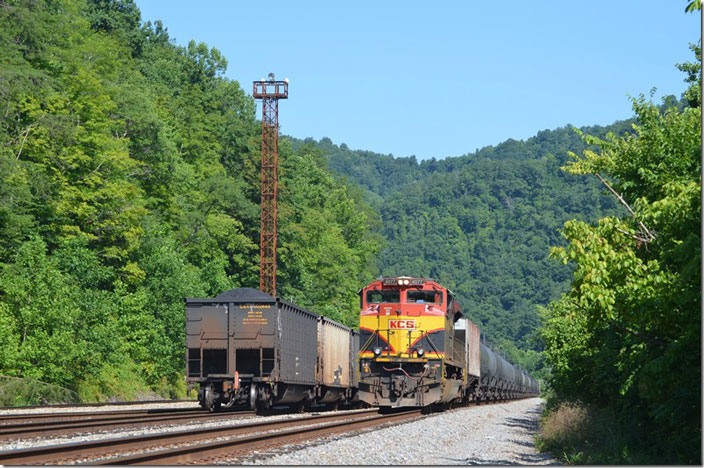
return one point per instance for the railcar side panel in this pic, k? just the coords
(354, 351)
(298, 336)
(472, 353)
(333, 353)
(207, 341)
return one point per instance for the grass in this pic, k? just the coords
(583, 435)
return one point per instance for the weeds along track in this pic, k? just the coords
(203, 445)
(38, 425)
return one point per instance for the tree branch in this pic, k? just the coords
(632, 236)
(26, 134)
(649, 236)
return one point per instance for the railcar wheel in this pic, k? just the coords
(332, 406)
(299, 407)
(210, 399)
(253, 397)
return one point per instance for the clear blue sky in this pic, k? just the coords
(447, 77)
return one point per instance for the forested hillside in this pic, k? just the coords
(482, 223)
(129, 179)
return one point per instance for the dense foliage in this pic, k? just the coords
(627, 335)
(482, 224)
(129, 179)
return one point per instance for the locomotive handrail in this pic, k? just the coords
(407, 374)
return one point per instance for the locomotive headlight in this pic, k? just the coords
(377, 351)
(420, 352)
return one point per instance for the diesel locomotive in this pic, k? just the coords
(418, 349)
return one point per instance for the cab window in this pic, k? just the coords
(387, 296)
(419, 297)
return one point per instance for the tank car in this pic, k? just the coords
(418, 349)
(245, 347)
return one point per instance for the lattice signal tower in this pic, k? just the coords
(269, 91)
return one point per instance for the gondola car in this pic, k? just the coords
(247, 348)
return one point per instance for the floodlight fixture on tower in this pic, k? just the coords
(269, 91)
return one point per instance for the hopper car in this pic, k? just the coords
(247, 348)
(418, 349)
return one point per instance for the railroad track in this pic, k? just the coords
(6, 419)
(203, 445)
(40, 425)
(91, 405)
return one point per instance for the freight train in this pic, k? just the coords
(418, 349)
(247, 348)
(414, 348)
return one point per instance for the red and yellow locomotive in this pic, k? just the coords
(416, 346)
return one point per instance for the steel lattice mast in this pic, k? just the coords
(269, 91)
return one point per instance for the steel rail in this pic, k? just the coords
(209, 452)
(71, 452)
(8, 419)
(38, 429)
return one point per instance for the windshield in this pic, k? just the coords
(434, 297)
(387, 295)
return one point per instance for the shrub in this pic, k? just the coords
(581, 434)
(117, 382)
(15, 391)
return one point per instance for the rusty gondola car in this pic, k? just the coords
(245, 347)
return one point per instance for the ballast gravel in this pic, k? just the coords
(151, 429)
(498, 434)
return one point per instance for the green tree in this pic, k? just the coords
(627, 335)
(129, 179)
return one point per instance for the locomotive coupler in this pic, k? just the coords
(397, 384)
